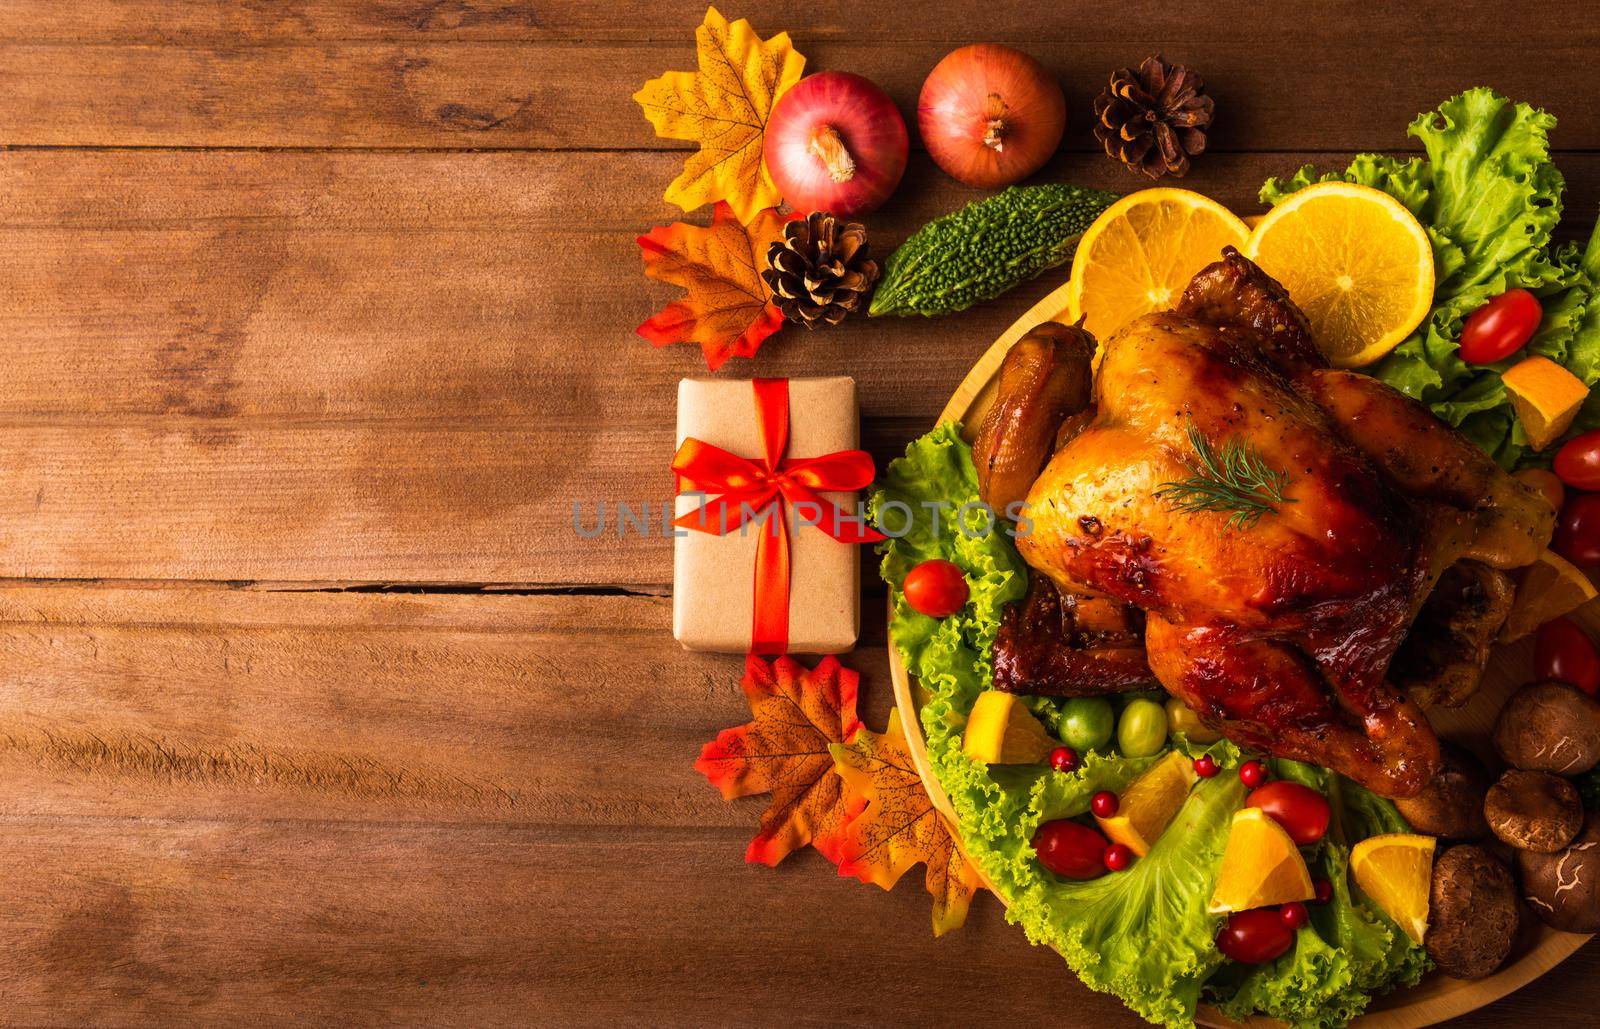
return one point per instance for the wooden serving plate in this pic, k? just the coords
(1437, 998)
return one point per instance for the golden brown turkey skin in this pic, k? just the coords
(1278, 633)
(1045, 379)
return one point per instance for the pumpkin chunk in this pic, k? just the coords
(1546, 398)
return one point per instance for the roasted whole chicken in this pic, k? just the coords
(1303, 555)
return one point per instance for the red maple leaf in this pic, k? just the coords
(892, 825)
(784, 750)
(728, 310)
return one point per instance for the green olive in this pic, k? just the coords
(1181, 718)
(1142, 730)
(1087, 723)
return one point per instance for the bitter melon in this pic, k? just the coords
(986, 248)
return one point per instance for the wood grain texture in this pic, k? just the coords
(343, 292)
(450, 73)
(220, 806)
(398, 367)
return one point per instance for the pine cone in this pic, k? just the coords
(820, 270)
(1154, 119)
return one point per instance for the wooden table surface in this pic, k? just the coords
(317, 317)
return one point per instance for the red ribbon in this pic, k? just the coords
(740, 490)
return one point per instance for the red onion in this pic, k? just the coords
(836, 143)
(990, 115)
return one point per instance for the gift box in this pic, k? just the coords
(767, 519)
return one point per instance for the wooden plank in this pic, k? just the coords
(157, 22)
(453, 74)
(272, 806)
(152, 923)
(395, 367)
(237, 704)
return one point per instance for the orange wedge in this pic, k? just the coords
(1261, 866)
(1550, 587)
(1150, 802)
(1142, 251)
(1356, 262)
(1395, 871)
(1002, 731)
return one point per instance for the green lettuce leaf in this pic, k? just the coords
(1144, 934)
(1490, 198)
(1351, 951)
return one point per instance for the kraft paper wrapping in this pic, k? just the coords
(713, 577)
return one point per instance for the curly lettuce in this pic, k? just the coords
(1490, 199)
(1144, 934)
(1350, 952)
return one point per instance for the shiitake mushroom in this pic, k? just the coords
(1549, 727)
(1534, 810)
(1451, 805)
(1472, 916)
(1563, 888)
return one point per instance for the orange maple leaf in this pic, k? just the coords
(892, 825)
(728, 310)
(784, 750)
(724, 108)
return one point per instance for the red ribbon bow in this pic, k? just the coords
(740, 490)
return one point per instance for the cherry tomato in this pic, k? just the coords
(1577, 463)
(1255, 937)
(1064, 759)
(936, 588)
(1252, 773)
(1564, 653)
(1301, 810)
(1577, 535)
(1499, 328)
(1118, 856)
(1068, 848)
(1294, 915)
(1546, 483)
(1323, 890)
(1103, 804)
(1205, 766)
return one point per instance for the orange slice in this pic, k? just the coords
(1395, 871)
(1261, 866)
(1550, 587)
(1150, 802)
(1002, 731)
(1142, 251)
(1356, 262)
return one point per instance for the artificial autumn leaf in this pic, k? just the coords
(728, 310)
(784, 750)
(724, 107)
(893, 825)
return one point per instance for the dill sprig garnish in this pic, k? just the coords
(1234, 477)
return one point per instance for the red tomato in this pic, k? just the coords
(1578, 530)
(1301, 810)
(1255, 937)
(1564, 653)
(1499, 328)
(1071, 849)
(936, 588)
(1577, 463)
